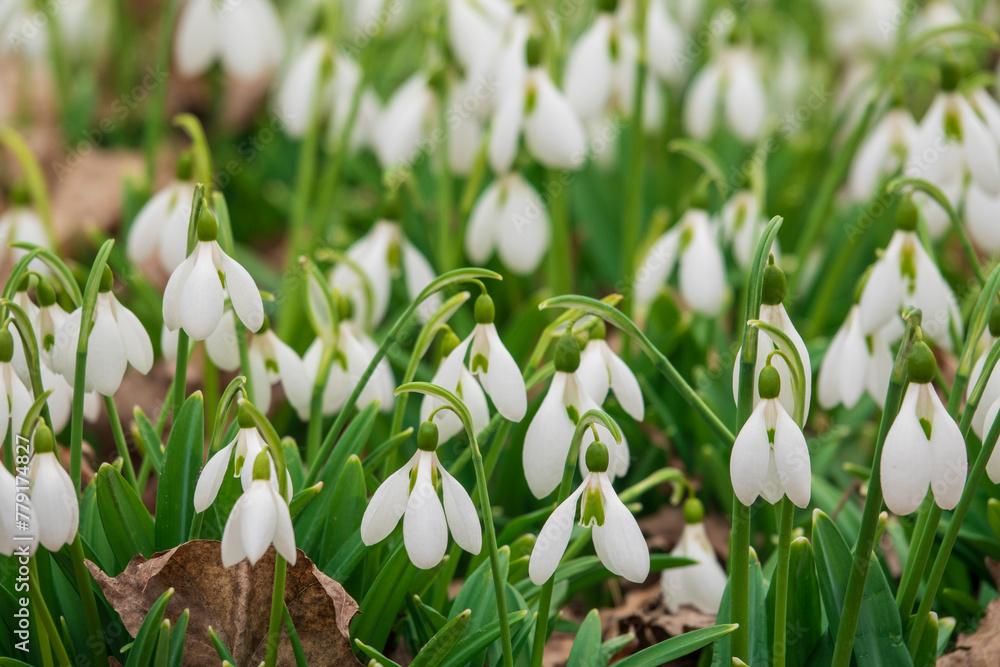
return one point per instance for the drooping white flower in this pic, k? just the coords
(882, 153)
(773, 312)
(161, 226)
(382, 253)
(53, 498)
(550, 434)
(117, 339)
(17, 522)
(425, 521)
(404, 121)
(743, 224)
(21, 223)
(692, 246)
(700, 585)
(617, 539)
(195, 294)
(476, 33)
(924, 446)
(732, 80)
(770, 457)
(245, 36)
(512, 219)
(247, 444)
(259, 518)
(905, 275)
(494, 366)
(453, 375)
(601, 68)
(855, 363)
(982, 209)
(354, 352)
(601, 369)
(665, 43)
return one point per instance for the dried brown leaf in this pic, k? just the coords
(236, 603)
(981, 648)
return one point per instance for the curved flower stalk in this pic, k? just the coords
(692, 246)
(550, 434)
(195, 294)
(743, 224)
(21, 223)
(426, 521)
(773, 313)
(246, 37)
(453, 375)
(700, 585)
(117, 339)
(247, 444)
(855, 363)
(963, 145)
(259, 518)
(882, 153)
(617, 539)
(53, 498)
(601, 369)
(924, 446)
(511, 219)
(161, 227)
(374, 259)
(732, 80)
(770, 457)
(903, 276)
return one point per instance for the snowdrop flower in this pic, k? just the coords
(354, 352)
(476, 33)
(991, 392)
(510, 218)
(246, 36)
(453, 375)
(21, 223)
(601, 369)
(743, 224)
(247, 445)
(982, 209)
(550, 434)
(12, 534)
(854, 363)
(700, 585)
(903, 276)
(161, 227)
(117, 339)
(733, 80)
(15, 397)
(773, 312)
(691, 245)
(259, 518)
(382, 253)
(665, 43)
(924, 446)
(617, 539)
(195, 294)
(494, 366)
(553, 133)
(404, 122)
(425, 521)
(882, 153)
(53, 498)
(305, 79)
(770, 457)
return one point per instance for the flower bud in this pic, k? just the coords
(599, 331)
(485, 311)
(427, 436)
(775, 284)
(20, 195)
(107, 280)
(6, 347)
(949, 75)
(533, 52)
(208, 226)
(906, 216)
(245, 418)
(769, 385)
(921, 364)
(694, 511)
(597, 457)
(44, 442)
(46, 295)
(567, 354)
(449, 341)
(608, 6)
(262, 466)
(184, 167)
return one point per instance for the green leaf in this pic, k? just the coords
(478, 594)
(293, 462)
(759, 648)
(181, 463)
(302, 499)
(432, 616)
(347, 506)
(141, 652)
(126, 521)
(927, 652)
(480, 640)
(177, 636)
(612, 646)
(879, 637)
(804, 614)
(586, 649)
(376, 656)
(993, 516)
(677, 647)
(150, 440)
(163, 646)
(220, 648)
(346, 558)
(441, 644)
(385, 598)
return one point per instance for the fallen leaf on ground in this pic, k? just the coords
(981, 648)
(236, 603)
(643, 613)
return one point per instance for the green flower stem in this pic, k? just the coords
(560, 272)
(277, 611)
(44, 617)
(565, 487)
(873, 504)
(120, 443)
(85, 586)
(180, 372)
(781, 578)
(157, 106)
(445, 190)
(930, 514)
(315, 430)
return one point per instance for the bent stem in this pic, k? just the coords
(84, 584)
(781, 591)
(873, 504)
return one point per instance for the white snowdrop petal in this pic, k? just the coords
(949, 462)
(934, 298)
(106, 362)
(284, 533)
(222, 345)
(870, 161)
(138, 347)
(243, 293)
(506, 129)
(881, 297)
(828, 381)
(196, 39)
(621, 540)
(656, 267)
(419, 274)
(587, 81)
(483, 221)
(746, 103)
(982, 218)
(294, 378)
(593, 373)
(258, 517)
(461, 514)
(295, 96)
(232, 539)
(906, 459)
(553, 539)
(211, 478)
(552, 130)
(791, 455)
(503, 381)
(993, 465)
(145, 230)
(701, 102)
(522, 233)
(703, 273)
(748, 462)
(173, 293)
(547, 441)
(201, 298)
(425, 530)
(260, 380)
(251, 41)
(625, 386)
(980, 149)
(386, 506)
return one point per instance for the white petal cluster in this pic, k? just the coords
(856, 362)
(354, 352)
(259, 518)
(160, 229)
(453, 374)
(732, 81)
(54, 504)
(247, 445)
(22, 224)
(883, 152)
(700, 585)
(246, 36)
(601, 369)
(743, 224)
(511, 219)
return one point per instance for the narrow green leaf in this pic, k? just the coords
(220, 648)
(177, 636)
(676, 647)
(181, 463)
(375, 655)
(347, 506)
(586, 651)
(441, 644)
(479, 640)
(150, 440)
(141, 652)
(804, 615)
(386, 597)
(126, 521)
